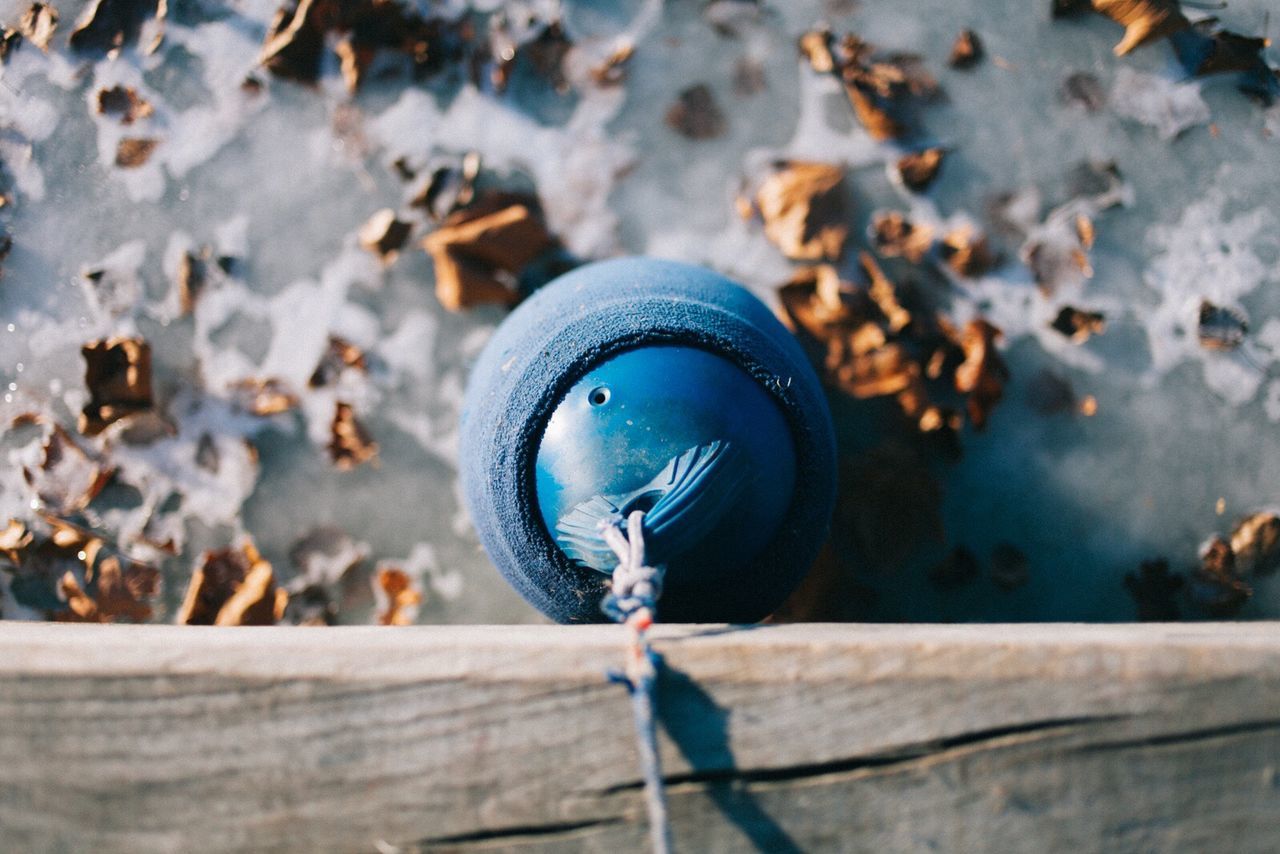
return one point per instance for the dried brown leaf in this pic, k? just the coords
(1144, 20)
(132, 152)
(802, 204)
(67, 478)
(696, 115)
(1221, 327)
(398, 596)
(341, 355)
(265, 397)
(884, 293)
(38, 23)
(232, 587)
(1215, 587)
(350, 444)
(118, 376)
(384, 234)
(1079, 325)
(982, 375)
(966, 50)
(108, 25)
(1255, 542)
(894, 235)
(612, 70)
(124, 103)
(919, 168)
(192, 275)
(480, 252)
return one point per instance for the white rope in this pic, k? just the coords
(633, 601)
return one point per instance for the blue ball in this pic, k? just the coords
(645, 384)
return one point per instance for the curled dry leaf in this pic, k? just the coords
(982, 375)
(966, 50)
(1143, 20)
(350, 444)
(481, 251)
(108, 25)
(265, 397)
(38, 23)
(10, 38)
(960, 566)
(118, 376)
(1255, 542)
(1221, 327)
(1155, 591)
(696, 115)
(1010, 568)
(67, 478)
(124, 103)
(1078, 324)
(802, 205)
(132, 152)
(233, 587)
(448, 188)
(894, 235)
(967, 252)
(880, 88)
(296, 39)
(384, 234)
(919, 168)
(340, 356)
(192, 276)
(1215, 588)
(397, 596)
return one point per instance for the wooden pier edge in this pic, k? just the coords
(778, 738)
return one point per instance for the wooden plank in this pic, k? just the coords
(780, 738)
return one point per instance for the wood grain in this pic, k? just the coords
(781, 738)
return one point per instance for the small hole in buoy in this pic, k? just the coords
(599, 396)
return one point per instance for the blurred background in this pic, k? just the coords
(250, 251)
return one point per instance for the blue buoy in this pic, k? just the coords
(651, 385)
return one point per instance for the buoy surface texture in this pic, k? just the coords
(648, 384)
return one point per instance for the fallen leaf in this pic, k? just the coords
(350, 444)
(232, 587)
(132, 152)
(966, 50)
(384, 234)
(884, 293)
(38, 23)
(894, 235)
(358, 29)
(1078, 324)
(1155, 591)
(1255, 542)
(696, 115)
(264, 397)
(397, 596)
(1205, 49)
(108, 25)
(960, 566)
(1221, 328)
(340, 356)
(1144, 20)
(1010, 568)
(118, 377)
(124, 103)
(919, 168)
(67, 478)
(802, 205)
(10, 39)
(1214, 587)
(982, 375)
(120, 589)
(966, 251)
(481, 251)
(192, 275)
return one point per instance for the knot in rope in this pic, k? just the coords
(635, 586)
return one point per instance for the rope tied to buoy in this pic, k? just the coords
(633, 600)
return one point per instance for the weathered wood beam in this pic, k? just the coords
(785, 738)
